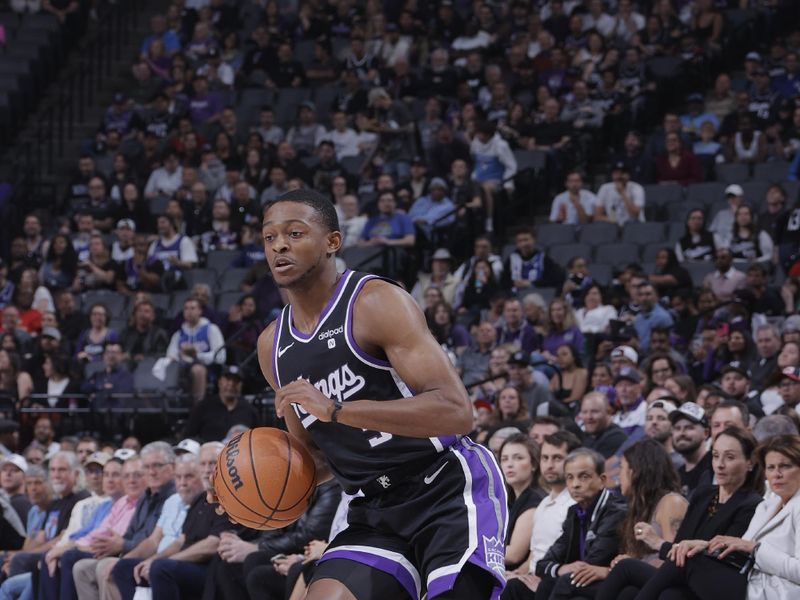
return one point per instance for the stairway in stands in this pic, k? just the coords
(45, 148)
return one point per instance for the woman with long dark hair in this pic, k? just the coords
(747, 241)
(722, 509)
(669, 276)
(59, 268)
(696, 243)
(451, 335)
(519, 461)
(651, 486)
(480, 288)
(571, 387)
(91, 341)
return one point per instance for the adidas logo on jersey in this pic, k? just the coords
(330, 332)
(340, 384)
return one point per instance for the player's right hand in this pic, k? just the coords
(304, 394)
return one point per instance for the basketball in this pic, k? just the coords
(264, 478)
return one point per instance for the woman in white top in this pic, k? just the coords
(746, 241)
(773, 538)
(595, 315)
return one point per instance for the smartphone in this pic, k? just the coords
(723, 329)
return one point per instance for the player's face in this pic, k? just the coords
(296, 244)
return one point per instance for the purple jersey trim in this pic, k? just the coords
(382, 563)
(275, 339)
(348, 328)
(337, 293)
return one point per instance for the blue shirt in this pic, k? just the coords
(35, 521)
(170, 39)
(646, 322)
(97, 517)
(393, 227)
(173, 514)
(430, 211)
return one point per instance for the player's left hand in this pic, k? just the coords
(304, 394)
(588, 574)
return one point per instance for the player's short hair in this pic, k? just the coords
(321, 205)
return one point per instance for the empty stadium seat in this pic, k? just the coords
(195, 276)
(755, 192)
(562, 253)
(144, 381)
(227, 299)
(177, 300)
(705, 193)
(602, 274)
(114, 302)
(617, 254)
(734, 173)
(363, 258)
(698, 270)
(530, 159)
(640, 233)
(771, 171)
(554, 233)
(220, 261)
(598, 233)
(231, 279)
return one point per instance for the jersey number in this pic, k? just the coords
(379, 439)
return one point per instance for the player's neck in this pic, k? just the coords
(309, 300)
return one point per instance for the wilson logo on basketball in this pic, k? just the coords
(231, 452)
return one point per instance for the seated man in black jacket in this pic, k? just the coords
(589, 536)
(244, 565)
(602, 435)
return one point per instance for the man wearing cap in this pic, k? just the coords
(434, 211)
(726, 279)
(187, 446)
(441, 277)
(575, 205)
(633, 409)
(623, 357)
(689, 435)
(214, 416)
(12, 483)
(789, 388)
(620, 200)
(122, 248)
(722, 224)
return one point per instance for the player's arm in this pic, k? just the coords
(265, 342)
(388, 322)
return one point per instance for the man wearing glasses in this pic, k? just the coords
(93, 575)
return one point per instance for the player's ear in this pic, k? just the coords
(334, 242)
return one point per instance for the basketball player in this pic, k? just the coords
(358, 374)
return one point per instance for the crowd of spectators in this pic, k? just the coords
(636, 418)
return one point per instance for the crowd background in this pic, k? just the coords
(594, 203)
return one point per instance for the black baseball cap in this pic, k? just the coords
(520, 358)
(232, 371)
(738, 367)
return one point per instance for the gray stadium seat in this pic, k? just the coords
(227, 299)
(364, 259)
(114, 302)
(651, 250)
(549, 234)
(287, 103)
(220, 260)
(304, 52)
(602, 274)
(698, 270)
(617, 254)
(755, 192)
(598, 233)
(676, 213)
(732, 173)
(676, 231)
(352, 164)
(705, 193)
(118, 324)
(771, 171)
(161, 301)
(232, 279)
(144, 380)
(92, 368)
(178, 298)
(158, 205)
(562, 253)
(257, 97)
(547, 293)
(195, 276)
(662, 195)
(640, 233)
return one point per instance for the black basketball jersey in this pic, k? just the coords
(332, 361)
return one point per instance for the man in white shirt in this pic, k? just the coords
(344, 139)
(351, 224)
(725, 280)
(620, 200)
(122, 248)
(598, 19)
(549, 516)
(166, 180)
(575, 205)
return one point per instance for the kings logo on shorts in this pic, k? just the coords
(231, 452)
(340, 383)
(495, 554)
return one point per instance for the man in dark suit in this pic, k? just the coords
(589, 538)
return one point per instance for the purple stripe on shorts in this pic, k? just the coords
(323, 315)
(382, 563)
(351, 340)
(490, 517)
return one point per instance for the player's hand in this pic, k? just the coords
(309, 398)
(588, 574)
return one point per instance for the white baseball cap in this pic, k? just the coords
(734, 189)
(627, 353)
(187, 445)
(16, 460)
(124, 454)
